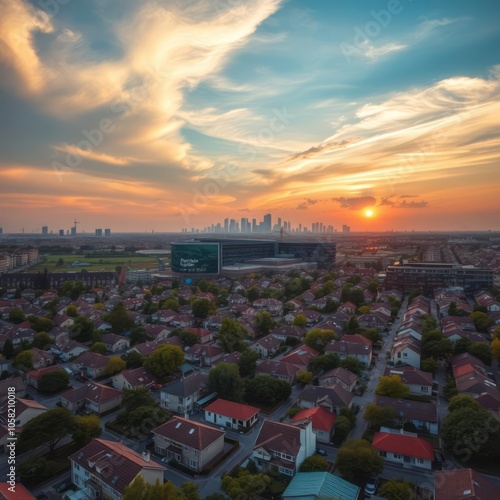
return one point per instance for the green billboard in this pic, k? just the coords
(195, 258)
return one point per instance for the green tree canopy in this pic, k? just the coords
(42, 340)
(244, 486)
(378, 416)
(48, 428)
(114, 365)
(202, 308)
(133, 359)
(16, 315)
(140, 490)
(300, 320)
(231, 335)
(82, 329)
(481, 321)
(357, 458)
(461, 401)
(481, 351)
(304, 376)
(54, 381)
(397, 489)
(315, 463)
(164, 360)
(392, 386)
(225, 380)
(188, 338)
(248, 362)
(86, 428)
(327, 361)
(99, 348)
(267, 390)
(318, 339)
(118, 318)
(24, 360)
(264, 322)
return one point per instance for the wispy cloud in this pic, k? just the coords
(356, 203)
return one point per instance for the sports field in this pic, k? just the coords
(53, 263)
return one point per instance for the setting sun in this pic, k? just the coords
(369, 213)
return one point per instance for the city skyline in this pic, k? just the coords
(150, 116)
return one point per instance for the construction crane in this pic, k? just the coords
(76, 222)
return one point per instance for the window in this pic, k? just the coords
(405, 355)
(395, 455)
(77, 467)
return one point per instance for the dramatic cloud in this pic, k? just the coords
(356, 203)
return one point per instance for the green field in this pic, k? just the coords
(98, 263)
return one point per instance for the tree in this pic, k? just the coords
(327, 361)
(352, 364)
(461, 345)
(496, 333)
(315, 463)
(341, 428)
(16, 315)
(429, 365)
(352, 325)
(495, 348)
(170, 304)
(393, 387)
(99, 348)
(356, 296)
(372, 286)
(48, 428)
(304, 376)
(191, 490)
(225, 379)
(164, 360)
(397, 489)
(24, 361)
(267, 390)
(118, 318)
(188, 338)
(231, 335)
(82, 329)
(36, 469)
(378, 416)
(86, 428)
(253, 293)
(114, 365)
(357, 458)
(72, 311)
(481, 351)
(133, 359)
(41, 324)
(54, 381)
(244, 486)
(481, 321)
(318, 339)
(8, 349)
(138, 335)
(264, 322)
(462, 401)
(140, 490)
(201, 308)
(300, 320)
(42, 340)
(248, 362)
(414, 294)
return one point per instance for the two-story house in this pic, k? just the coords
(182, 395)
(190, 443)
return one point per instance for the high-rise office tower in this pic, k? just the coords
(107, 232)
(226, 225)
(45, 230)
(267, 223)
(98, 232)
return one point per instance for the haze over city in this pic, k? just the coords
(143, 116)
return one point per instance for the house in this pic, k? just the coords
(25, 410)
(22, 332)
(464, 484)
(190, 443)
(406, 350)
(312, 317)
(288, 331)
(301, 357)
(237, 299)
(232, 357)
(463, 322)
(115, 343)
(182, 395)
(91, 362)
(404, 449)
(92, 397)
(213, 322)
(204, 355)
(422, 415)
(33, 377)
(42, 359)
(63, 321)
(204, 335)
(17, 383)
(419, 382)
(132, 378)
(355, 346)
(231, 415)
(183, 321)
(413, 327)
(373, 320)
(283, 447)
(156, 332)
(164, 316)
(347, 307)
(346, 379)
(103, 469)
(273, 306)
(279, 370)
(331, 398)
(68, 349)
(322, 422)
(267, 346)
(316, 485)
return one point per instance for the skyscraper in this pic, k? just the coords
(267, 223)
(45, 230)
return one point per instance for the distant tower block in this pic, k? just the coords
(98, 232)
(61, 232)
(107, 232)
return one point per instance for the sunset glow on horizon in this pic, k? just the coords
(145, 115)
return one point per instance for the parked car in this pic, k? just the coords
(371, 486)
(62, 487)
(321, 451)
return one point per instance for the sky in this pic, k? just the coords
(162, 115)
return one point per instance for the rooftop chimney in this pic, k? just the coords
(146, 456)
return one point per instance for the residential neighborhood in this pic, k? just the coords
(276, 378)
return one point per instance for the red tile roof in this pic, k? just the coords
(233, 410)
(38, 374)
(461, 484)
(408, 446)
(321, 419)
(21, 492)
